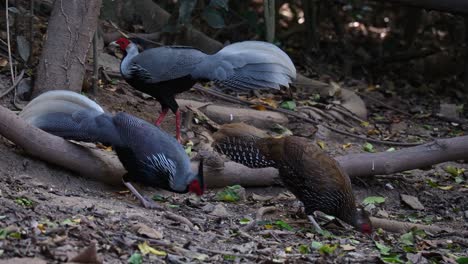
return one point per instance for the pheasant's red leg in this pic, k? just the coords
(177, 118)
(161, 116)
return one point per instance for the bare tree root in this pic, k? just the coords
(95, 164)
(104, 166)
(258, 217)
(226, 114)
(403, 227)
(438, 151)
(179, 219)
(232, 99)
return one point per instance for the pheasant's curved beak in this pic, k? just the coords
(114, 44)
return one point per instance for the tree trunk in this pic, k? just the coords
(69, 34)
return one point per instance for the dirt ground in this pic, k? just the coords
(50, 214)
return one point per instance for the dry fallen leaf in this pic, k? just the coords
(145, 249)
(347, 247)
(147, 231)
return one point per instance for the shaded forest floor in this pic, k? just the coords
(48, 213)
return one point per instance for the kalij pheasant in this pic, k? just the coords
(309, 173)
(150, 155)
(165, 71)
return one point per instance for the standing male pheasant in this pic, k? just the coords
(166, 71)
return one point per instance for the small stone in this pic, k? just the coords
(412, 201)
(382, 213)
(449, 111)
(220, 211)
(147, 231)
(208, 208)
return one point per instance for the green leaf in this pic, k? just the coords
(244, 221)
(67, 222)
(290, 105)
(462, 260)
(158, 198)
(373, 200)
(394, 258)
(327, 249)
(219, 4)
(384, 250)
(459, 179)
(326, 233)
(213, 17)
(454, 171)
(229, 194)
(16, 235)
(24, 202)
(304, 249)
(229, 257)
(409, 249)
(283, 225)
(368, 147)
(135, 258)
(390, 149)
(3, 233)
(316, 244)
(432, 183)
(407, 239)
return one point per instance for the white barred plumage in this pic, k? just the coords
(161, 164)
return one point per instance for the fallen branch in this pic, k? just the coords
(438, 151)
(94, 164)
(258, 217)
(179, 219)
(15, 83)
(299, 116)
(403, 227)
(104, 166)
(225, 114)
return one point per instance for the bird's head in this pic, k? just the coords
(363, 222)
(197, 185)
(272, 148)
(122, 43)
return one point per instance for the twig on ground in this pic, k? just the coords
(258, 217)
(179, 218)
(15, 83)
(297, 115)
(370, 98)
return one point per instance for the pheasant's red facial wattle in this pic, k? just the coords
(366, 229)
(195, 187)
(123, 43)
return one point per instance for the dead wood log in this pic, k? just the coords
(231, 114)
(383, 163)
(94, 164)
(104, 166)
(69, 33)
(403, 227)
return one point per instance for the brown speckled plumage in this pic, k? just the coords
(308, 172)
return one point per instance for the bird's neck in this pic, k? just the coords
(132, 51)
